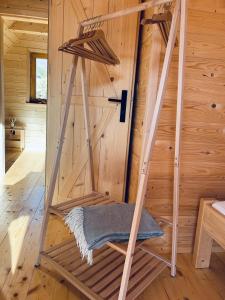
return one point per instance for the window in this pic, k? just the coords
(38, 77)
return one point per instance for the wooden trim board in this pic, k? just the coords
(180, 92)
(2, 102)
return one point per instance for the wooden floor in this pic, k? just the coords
(21, 202)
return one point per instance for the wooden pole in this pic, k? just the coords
(152, 87)
(124, 12)
(87, 121)
(56, 163)
(148, 151)
(2, 102)
(180, 89)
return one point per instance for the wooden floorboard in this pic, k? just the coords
(21, 204)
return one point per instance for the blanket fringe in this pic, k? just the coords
(75, 221)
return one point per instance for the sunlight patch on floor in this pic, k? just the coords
(16, 232)
(28, 162)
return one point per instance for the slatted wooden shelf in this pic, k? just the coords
(94, 198)
(102, 279)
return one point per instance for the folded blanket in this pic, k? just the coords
(94, 226)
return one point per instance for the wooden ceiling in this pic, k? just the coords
(29, 27)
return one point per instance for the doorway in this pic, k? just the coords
(25, 44)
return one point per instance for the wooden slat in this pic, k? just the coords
(61, 205)
(110, 284)
(81, 263)
(146, 266)
(92, 199)
(97, 259)
(122, 247)
(97, 274)
(146, 281)
(87, 203)
(73, 280)
(113, 287)
(102, 279)
(58, 249)
(67, 256)
(147, 249)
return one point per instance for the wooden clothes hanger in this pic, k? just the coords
(163, 20)
(98, 48)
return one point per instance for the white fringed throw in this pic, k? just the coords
(94, 226)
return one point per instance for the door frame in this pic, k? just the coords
(9, 12)
(2, 101)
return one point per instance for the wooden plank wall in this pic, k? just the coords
(17, 48)
(26, 8)
(203, 137)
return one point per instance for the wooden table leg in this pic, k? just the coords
(203, 242)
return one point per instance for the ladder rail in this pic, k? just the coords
(55, 169)
(180, 90)
(87, 121)
(145, 170)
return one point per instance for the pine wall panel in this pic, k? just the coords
(203, 132)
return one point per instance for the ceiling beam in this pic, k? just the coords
(37, 9)
(29, 27)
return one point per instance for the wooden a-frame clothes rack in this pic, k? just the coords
(120, 271)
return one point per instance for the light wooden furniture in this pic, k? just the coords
(211, 226)
(133, 275)
(15, 137)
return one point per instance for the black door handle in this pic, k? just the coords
(123, 107)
